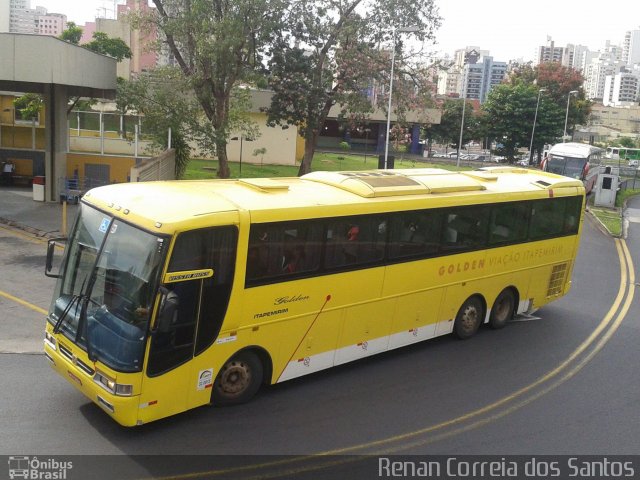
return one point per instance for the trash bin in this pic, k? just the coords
(38, 188)
(390, 161)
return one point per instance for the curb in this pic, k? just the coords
(25, 228)
(596, 221)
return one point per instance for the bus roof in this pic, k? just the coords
(169, 206)
(573, 149)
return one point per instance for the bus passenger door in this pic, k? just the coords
(168, 368)
(180, 370)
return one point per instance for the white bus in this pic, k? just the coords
(574, 160)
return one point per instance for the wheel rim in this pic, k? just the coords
(469, 318)
(503, 309)
(235, 378)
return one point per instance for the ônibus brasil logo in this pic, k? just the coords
(40, 469)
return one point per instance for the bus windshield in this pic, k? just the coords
(568, 166)
(104, 296)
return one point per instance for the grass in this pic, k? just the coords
(611, 219)
(623, 195)
(203, 169)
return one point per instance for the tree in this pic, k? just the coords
(333, 52)
(72, 34)
(111, 47)
(219, 47)
(509, 112)
(101, 43)
(162, 96)
(558, 81)
(29, 105)
(448, 130)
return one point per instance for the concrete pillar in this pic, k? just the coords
(55, 157)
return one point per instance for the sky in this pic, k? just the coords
(509, 29)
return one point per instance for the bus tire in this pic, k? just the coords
(238, 380)
(502, 310)
(468, 318)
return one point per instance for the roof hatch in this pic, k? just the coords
(387, 183)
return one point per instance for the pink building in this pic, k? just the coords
(144, 56)
(87, 32)
(50, 23)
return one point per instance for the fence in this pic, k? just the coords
(629, 179)
(108, 133)
(162, 167)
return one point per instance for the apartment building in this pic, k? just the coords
(549, 52)
(50, 23)
(17, 16)
(480, 77)
(622, 89)
(631, 48)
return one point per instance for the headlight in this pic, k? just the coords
(111, 386)
(50, 340)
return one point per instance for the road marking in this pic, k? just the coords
(524, 317)
(564, 371)
(26, 236)
(23, 302)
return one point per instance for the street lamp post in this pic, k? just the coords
(393, 59)
(533, 130)
(566, 117)
(464, 104)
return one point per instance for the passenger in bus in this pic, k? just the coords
(294, 260)
(351, 246)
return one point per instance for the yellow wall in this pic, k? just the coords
(20, 137)
(18, 134)
(119, 171)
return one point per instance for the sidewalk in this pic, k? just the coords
(44, 219)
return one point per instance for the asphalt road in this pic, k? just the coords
(564, 382)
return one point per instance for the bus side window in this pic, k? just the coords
(508, 223)
(466, 228)
(354, 241)
(279, 250)
(547, 218)
(414, 234)
(572, 214)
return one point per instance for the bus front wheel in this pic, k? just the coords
(238, 380)
(502, 309)
(468, 318)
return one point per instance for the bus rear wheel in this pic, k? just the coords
(238, 380)
(502, 309)
(468, 318)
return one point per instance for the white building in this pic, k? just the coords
(549, 52)
(576, 56)
(4, 16)
(631, 48)
(480, 77)
(622, 89)
(17, 16)
(22, 18)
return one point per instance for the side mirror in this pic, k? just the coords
(51, 248)
(168, 310)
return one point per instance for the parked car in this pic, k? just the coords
(633, 163)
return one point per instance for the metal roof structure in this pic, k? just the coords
(57, 70)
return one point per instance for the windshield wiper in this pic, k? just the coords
(74, 298)
(65, 312)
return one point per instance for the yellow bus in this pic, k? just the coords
(173, 295)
